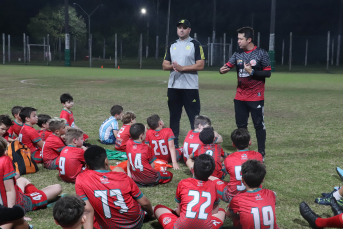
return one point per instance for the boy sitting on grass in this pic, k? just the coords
(207, 137)
(109, 128)
(233, 164)
(5, 125)
(197, 201)
(17, 123)
(161, 139)
(141, 160)
(54, 144)
(254, 208)
(20, 191)
(192, 141)
(123, 135)
(111, 196)
(68, 102)
(71, 160)
(43, 123)
(69, 212)
(28, 135)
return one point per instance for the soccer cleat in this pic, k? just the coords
(308, 215)
(339, 172)
(324, 200)
(335, 206)
(326, 194)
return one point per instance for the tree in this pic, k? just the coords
(51, 21)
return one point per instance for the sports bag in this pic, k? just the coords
(21, 157)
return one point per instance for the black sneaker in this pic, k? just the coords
(309, 215)
(335, 207)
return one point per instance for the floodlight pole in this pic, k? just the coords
(89, 28)
(67, 37)
(272, 36)
(168, 22)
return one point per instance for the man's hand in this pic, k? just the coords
(224, 69)
(177, 67)
(247, 68)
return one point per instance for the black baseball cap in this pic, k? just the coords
(185, 22)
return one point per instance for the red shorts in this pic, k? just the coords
(165, 177)
(179, 153)
(167, 220)
(52, 164)
(37, 156)
(38, 197)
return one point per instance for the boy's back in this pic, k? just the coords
(140, 157)
(71, 163)
(52, 150)
(14, 130)
(158, 140)
(44, 134)
(217, 153)
(233, 164)
(112, 195)
(122, 137)
(196, 199)
(107, 127)
(191, 143)
(29, 137)
(256, 209)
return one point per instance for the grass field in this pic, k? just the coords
(302, 115)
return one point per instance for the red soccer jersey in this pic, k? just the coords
(113, 196)
(233, 164)
(6, 172)
(29, 137)
(191, 143)
(159, 140)
(140, 157)
(122, 137)
(196, 199)
(71, 163)
(256, 209)
(216, 152)
(5, 136)
(68, 116)
(44, 134)
(248, 87)
(52, 149)
(14, 130)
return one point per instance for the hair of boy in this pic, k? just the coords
(202, 120)
(207, 135)
(16, 110)
(253, 173)
(68, 210)
(43, 119)
(136, 130)
(3, 146)
(6, 120)
(203, 167)
(56, 123)
(72, 133)
(95, 157)
(240, 138)
(248, 32)
(66, 97)
(116, 109)
(26, 113)
(153, 121)
(127, 117)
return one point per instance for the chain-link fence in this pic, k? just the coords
(292, 53)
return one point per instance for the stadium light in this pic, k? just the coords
(89, 16)
(143, 11)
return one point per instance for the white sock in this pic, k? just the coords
(337, 195)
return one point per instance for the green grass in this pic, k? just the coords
(302, 115)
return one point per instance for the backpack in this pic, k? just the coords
(21, 157)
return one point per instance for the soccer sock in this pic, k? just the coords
(337, 195)
(334, 221)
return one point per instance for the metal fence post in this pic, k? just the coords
(115, 51)
(140, 51)
(306, 51)
(9, 48)
(90, 50)
(3, 49)
(224, 48)
(328, 52)
(290, 51)
(24, 43)
(283, 51)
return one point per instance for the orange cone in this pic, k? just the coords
(102, 66)
(118, 67)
